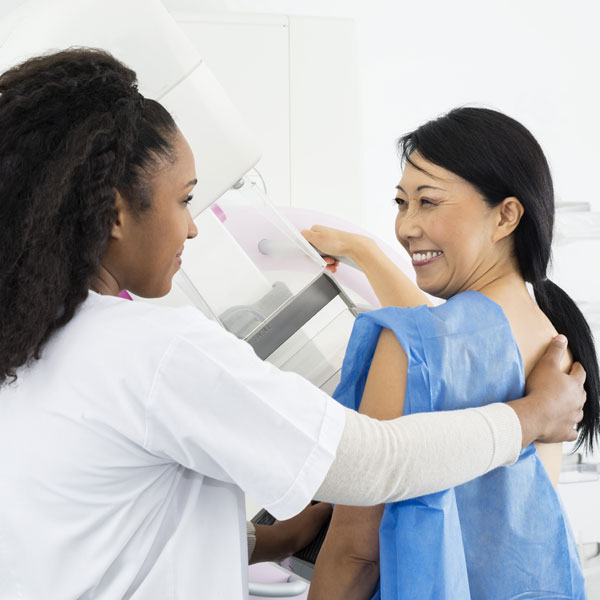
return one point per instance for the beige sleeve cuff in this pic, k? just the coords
(506, 432)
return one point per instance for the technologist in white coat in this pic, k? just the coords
(129, 433)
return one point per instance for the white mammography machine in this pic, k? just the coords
(249, 268)
(577, 241)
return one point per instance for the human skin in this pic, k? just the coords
(282, 539)
(144, 250)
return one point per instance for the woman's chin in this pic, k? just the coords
(434, 289)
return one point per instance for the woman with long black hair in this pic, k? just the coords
(129, 432)
(475, 213)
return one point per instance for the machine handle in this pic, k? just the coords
(293, 587)
(287, 248)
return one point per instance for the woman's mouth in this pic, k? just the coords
(422, 258)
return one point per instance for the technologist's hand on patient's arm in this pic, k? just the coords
(284, 538)
(391, 286)
(554, 400)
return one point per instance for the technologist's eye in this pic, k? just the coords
(188, 199)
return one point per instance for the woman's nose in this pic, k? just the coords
(408, 226)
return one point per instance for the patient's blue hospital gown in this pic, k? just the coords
(502, 536)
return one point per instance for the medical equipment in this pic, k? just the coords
(144, 36)
(281, 302)
(577, 241)
(268, 285)
(248, 269)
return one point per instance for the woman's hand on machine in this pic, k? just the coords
(554, 402)
(335, 242)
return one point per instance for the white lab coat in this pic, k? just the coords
(125, 449)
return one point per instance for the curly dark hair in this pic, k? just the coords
(75, 130)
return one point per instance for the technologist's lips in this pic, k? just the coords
(178, 260)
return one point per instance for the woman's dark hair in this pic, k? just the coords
(500, 157)
(74, 130)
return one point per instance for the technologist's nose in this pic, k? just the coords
(192, 229)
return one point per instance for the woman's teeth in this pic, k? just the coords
(424, 256)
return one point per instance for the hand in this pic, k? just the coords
(284, 538)
(554, 401)
(334, 242)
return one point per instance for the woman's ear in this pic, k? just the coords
(120, 217)
(509, 211)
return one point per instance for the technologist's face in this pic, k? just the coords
(446, 227)
(153, 241)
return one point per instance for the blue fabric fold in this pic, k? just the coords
(502, 536)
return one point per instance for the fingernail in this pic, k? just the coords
(561, 338)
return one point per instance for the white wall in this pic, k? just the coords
(537, 60)
(301, 102)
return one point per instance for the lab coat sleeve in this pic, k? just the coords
(217, 409)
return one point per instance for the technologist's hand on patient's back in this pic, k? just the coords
(554, 401)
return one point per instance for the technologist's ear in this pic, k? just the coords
(120, 217)
(510, 212)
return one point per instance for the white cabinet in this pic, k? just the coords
(295, 80)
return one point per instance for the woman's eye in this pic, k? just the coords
(400, 202)
(426, 201)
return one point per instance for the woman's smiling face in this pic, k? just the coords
(447, 228)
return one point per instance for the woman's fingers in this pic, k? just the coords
(329, 240)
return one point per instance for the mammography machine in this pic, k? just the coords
(577, 241)
(249, 268)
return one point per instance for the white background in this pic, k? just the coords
(537, 60)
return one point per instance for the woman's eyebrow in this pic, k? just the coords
(429, 187)
(421, 187)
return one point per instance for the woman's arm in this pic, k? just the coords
(284, 538)
(391, 286)
(551, 457)
(348, 564)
